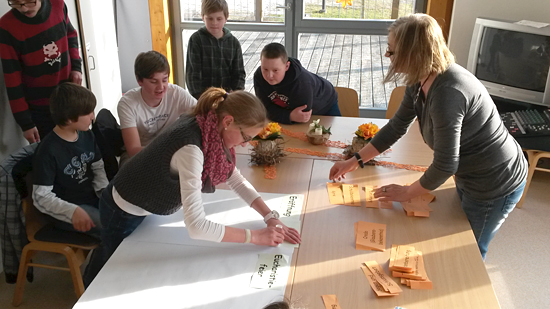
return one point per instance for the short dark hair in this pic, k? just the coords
(69, 101)
(274, 51)
(149, 63)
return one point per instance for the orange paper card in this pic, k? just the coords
(331, 302)
(382, 278)
(372, 202)
(370, 236)
(386, 205)
(375, 285)
(335, 195)
(351, 195)
(404, 260)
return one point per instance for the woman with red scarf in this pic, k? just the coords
(198, 150)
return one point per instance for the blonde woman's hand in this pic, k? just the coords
(270, 236)
(291, 235)
(340, 168)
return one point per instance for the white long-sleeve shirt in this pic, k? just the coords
(187, 163)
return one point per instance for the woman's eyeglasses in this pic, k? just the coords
(246, 139)
(29, 4)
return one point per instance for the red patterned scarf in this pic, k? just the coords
(216, 165)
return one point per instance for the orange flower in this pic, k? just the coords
(272, 130)
(367, 130)
(344, 2)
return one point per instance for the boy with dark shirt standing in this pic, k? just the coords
(67, 168)
(39, 50)
(214, 55)
(289, 92)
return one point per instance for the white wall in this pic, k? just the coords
(465, 13)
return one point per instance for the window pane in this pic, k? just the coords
(359, 9)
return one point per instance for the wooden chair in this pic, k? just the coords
(44, 237)
(533, 156)
(395, 100)
(348, 101)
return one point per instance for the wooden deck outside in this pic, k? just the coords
(354, 61)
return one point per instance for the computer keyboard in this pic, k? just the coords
(525, 123)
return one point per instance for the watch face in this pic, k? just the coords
(275, 214)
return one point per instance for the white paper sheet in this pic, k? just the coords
(271, 272)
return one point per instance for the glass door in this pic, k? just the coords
(344, 44)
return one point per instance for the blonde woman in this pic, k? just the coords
(458, 120)
(189, 158)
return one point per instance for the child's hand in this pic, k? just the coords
(81, 221)
(298, 114)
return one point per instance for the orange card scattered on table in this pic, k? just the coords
(387, 283)
(331, 302)
(370, 236)
(335, 195)
(351, 195)
(375, 285)
(372, 202)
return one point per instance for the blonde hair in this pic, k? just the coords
(214, 6)
(420, 49)
(247, 110)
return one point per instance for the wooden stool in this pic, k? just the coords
(533, 156)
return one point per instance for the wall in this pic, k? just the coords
(465, 13)
(133, 36)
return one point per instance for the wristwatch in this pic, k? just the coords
(271, 215)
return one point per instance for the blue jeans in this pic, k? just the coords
(486, 217)
(93, 212)
(116, 225)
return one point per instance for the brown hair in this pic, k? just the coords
(69, 101)
(247, 110)
(214, 6)
(149, 63)
(274, 51)
(420, 49)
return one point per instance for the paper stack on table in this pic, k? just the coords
(408, 264)
(380, 282)
(370, 236)
(343, 194)
(374, 202)
(418, 206)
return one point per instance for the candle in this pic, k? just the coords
(318, 131)
(311, 126)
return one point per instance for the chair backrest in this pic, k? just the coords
(348, 101)
(34, 219)
(395, 100)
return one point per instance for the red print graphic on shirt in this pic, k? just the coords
(279, 99)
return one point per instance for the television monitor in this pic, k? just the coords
(512, 60)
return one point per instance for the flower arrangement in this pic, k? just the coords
(271, 132)
(315, 128)
(268, 148)
(344, 2)
(367, 131)
(317, 134)
(363, 135)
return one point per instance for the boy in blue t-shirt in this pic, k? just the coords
(214, 55)
(68, 173)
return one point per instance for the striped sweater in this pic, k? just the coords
(37, 54)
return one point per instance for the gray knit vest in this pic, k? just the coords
(145, 180)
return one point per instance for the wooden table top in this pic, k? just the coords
(328, 262)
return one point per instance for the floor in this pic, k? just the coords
(517, 262)
(353, 61)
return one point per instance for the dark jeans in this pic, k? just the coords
(116, 225)
(334, 110)
(486, 217)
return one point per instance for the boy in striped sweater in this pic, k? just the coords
(39, 50)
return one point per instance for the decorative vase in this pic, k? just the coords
(358, 143)
(316, 139)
